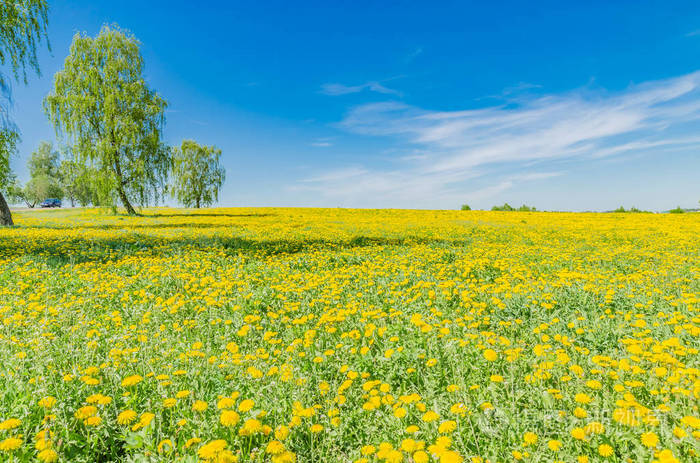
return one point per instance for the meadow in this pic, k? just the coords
(336, 335)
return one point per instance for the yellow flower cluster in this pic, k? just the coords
(294, 335)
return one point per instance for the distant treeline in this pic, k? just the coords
(633, 210)
(506, 207)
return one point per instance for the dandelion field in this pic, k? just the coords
(340, 335)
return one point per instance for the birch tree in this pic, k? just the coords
(103, 108)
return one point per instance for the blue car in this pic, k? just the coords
(51, 202)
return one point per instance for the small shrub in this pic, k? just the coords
(505, 207)
(508, 208)
(633, 210)
(526, 208)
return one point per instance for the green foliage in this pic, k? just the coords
(44, 161)
(45, 179)
(22, 27)
(15, 192)
(110, 118)
(40, 188)
(71, 173)
(465, 207)
(525, 208)
(508, 208)
(82, 183)
(633, 209)
(505, 207)
(197, 174)
(8, 146)
(677, 210)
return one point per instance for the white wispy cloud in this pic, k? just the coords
(512, 92)
(373, 86)
(522, 135)
(413, 54)
(322, 142)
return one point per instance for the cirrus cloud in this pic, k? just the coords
(373, 86)
(521, 135)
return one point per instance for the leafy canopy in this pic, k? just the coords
(45, 179)
(22, 27)
(507, 207)
(44, 161)
(109, 116)
(8, 146)
(81, 183)
(197, 174)
(40, 188)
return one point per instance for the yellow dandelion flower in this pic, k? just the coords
(649, 439)
(605, 450)
(131, 380)
(126, 417)
(10, 444)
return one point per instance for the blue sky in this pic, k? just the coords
(561, 105)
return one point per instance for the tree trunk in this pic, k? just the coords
(125, 201)
(120, 185)
(197, 203)
(5, 214)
